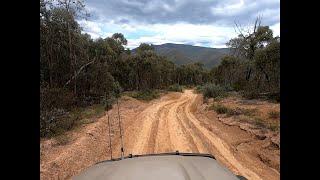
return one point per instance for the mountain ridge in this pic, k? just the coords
(183, 54)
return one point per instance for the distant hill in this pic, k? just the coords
(184, 54)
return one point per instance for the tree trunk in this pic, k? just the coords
(50, 66)
(72, 65)
(248, 74)
(75, 76)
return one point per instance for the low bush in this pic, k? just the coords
(199, 89)
(58, 121)
(219, 108)
(56, 98)
(259, 122)
(62, 140)
(93, 111)
(234, 112)
(50, 121)
(250, 94)
(274, 127)
(274, 114)
(274, 97)
(175, 88)
(146, 95)
(248, 112)
(212, 91)
(228, 88)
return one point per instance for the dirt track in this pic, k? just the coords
(173, 122)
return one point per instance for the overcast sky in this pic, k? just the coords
(208, 23)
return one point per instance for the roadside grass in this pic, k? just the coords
(219, 108)
(274, 114)
(85, 115)
(188, 86)
(146, 95)
(74, 119)
(212, 91)
(248, 115)
(260, 122)
(222, 109)
(219, 98)
(62, 140)
(249, 112)
(175, 88)
(216, 92)
(130, 93)
(91, 112)
(245, 115)
(274, 127)
(199, 89)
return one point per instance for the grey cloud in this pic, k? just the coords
(189, 11)
(123, 21)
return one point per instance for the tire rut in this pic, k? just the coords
(155, 129)
(149, 116)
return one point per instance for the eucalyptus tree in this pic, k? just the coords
(254, 65)
(248, 41)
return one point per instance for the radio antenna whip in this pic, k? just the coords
(107, 107)
(110, 145)
(122, 150)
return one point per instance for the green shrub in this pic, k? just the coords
(199, 89)
(219, 108)
(58, 121)
(175, 88)
(250, 94)
(56, 98)
(146, 95)
(88, 115)
(274, 114)
(212, 91)
(66, 123)
(274, 127)
(239, 85)
(228, 88)
(248, 112)
(274, 97)
(52, 122)
(241, 111)
(189, 86)
(244, 118)
(259, 122)
(62, 140)
(234, 112)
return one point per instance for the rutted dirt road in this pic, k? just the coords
(173, 122)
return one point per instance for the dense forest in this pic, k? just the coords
(78, 71)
